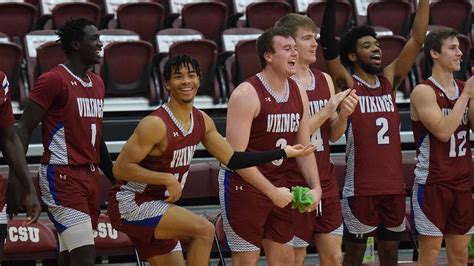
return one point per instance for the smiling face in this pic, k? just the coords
(183, 84)
(368, 55)
(90, 46)
(450, 55)
(306, 44)
(283, 59)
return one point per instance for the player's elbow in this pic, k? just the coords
(117, 170)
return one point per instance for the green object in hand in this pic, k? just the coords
(301, 200)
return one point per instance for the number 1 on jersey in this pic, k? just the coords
(93, 133)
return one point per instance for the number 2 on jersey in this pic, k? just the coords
(382, 137)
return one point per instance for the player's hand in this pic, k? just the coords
(349, 104)
(317, 193)
(33, 208)
(335, 100)
(299, 150)
(281, 196)
(174, 189)
(469, 87)
(13, 196)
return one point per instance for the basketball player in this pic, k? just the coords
(69, 102)
(373, 194)
(325, 125)
(268, 110)
(153, 168)
(11, 148)
(441, 200)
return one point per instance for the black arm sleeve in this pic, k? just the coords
(241, 160)
(328, 39)
(106, 164)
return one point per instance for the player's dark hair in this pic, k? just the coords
(265, 42)
(434, 41)
(348, 43)
(72, 30)
(176, 63)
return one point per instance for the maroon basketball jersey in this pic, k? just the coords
(318, 97)
(176, 158)
(373, 149)
(6, 114)
(449, 162)
(276, 124)
(72, 125)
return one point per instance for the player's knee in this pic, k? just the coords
(333, 257)
(204, 229)
(300, 255)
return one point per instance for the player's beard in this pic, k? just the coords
(371, 69)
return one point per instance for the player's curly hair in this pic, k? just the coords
(179, 61)
(348, 43)
(72, 30)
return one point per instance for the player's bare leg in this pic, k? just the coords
(278, 254)
(388, 252)
(64, 259)
(329, 249)
(430, 247)
(178, 222)
(354, 253)
(456, 249)
(173, 258)
(245, 258)
(300, 255)
(82, 256)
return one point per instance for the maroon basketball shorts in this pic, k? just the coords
(310, 223)
(71, 194)
(249, 216)
(364, 214)
(439, 210)
(139, 221)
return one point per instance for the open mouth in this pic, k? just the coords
(376, 59)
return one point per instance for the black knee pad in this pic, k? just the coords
(355, 238)
(387, 235)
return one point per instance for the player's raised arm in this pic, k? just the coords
(396, 71)
(341, 77)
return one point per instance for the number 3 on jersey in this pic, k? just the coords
(281, 143)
